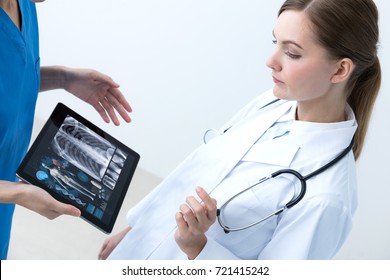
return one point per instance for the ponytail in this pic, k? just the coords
(361, 99)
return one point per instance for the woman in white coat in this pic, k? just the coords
(327, 76)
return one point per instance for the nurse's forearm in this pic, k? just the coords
(52, 77)
(8, 192)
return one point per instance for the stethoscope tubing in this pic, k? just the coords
(291, 203)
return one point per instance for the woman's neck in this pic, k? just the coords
(324, 110)
(320, 115)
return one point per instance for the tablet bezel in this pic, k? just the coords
(42, 142)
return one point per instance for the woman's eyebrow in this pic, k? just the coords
(287, 42)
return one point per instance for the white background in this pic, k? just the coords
(189, 65)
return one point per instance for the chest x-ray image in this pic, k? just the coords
(89, 152)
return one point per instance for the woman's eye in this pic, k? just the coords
(288, 53)
(293, 56)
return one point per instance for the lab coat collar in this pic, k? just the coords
(321, 145)
(324, 140)
(314, 140)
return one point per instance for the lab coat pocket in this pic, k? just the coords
(258, 200)
(276, 192)
(248, 208)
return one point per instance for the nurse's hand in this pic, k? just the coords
(193, 220)
(35, 199)
(111, 242)
(100, 91)
(91, 86)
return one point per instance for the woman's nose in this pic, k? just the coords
(273, 63)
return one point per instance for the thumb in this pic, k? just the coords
(103, 78)
(71, 210)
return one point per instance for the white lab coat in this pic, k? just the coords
(313, 229)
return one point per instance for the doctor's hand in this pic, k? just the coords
(111, 242)
(193, 220)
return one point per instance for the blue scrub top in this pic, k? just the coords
(19, 86)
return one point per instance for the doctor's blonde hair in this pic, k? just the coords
(349, 29)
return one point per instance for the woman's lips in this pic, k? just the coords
(276, 81)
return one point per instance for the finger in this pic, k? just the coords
(70, 210)
(123, 112)
(196, 206)
(102, 112)
(198, 210)
(61, 210)
(210, 203)
(204, 196)
(121, 99)
(181, 223)
(188, 216)
(110, 111)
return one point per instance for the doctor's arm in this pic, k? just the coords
(110, 243)
(91, 86)
(132, 216)
(313, 229)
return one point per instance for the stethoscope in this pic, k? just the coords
(211, 133)
(293, 201)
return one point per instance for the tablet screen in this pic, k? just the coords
(80, 164)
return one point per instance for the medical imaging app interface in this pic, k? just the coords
(81, 166)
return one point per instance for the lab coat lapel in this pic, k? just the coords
(230, 148)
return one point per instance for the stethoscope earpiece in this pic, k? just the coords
(210, 134)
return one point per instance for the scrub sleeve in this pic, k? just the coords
(19, 86)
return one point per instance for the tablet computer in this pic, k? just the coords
(80, 164)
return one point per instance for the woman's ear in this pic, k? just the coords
(344, 70)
